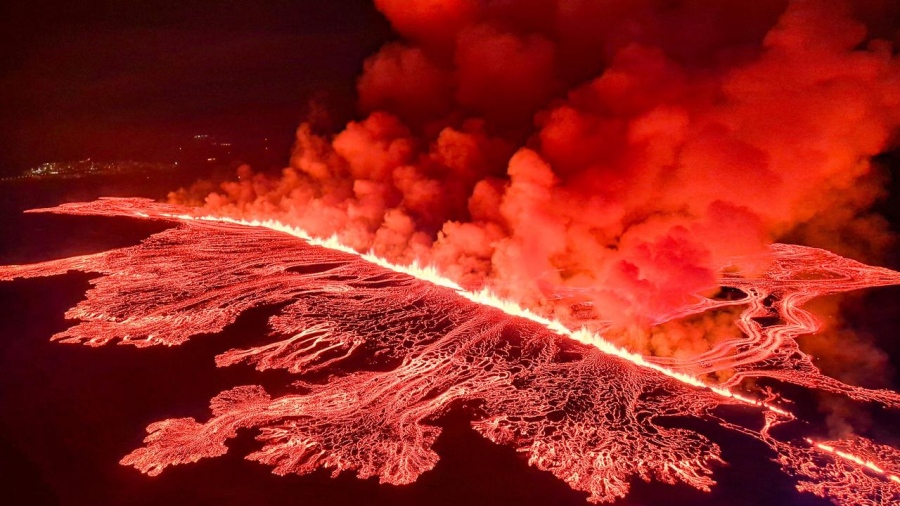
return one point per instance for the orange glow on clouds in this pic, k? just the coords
(421, 344)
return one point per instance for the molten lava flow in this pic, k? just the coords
(854, 471)
(795, 276)
(612, 152)
(402, 346)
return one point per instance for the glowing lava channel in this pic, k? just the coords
(485, 297)
(580, 408)
(860, 461)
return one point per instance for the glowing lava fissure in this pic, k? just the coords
(580, 408)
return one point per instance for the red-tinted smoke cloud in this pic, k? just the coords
(618, 152)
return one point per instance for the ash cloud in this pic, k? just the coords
(617, 152)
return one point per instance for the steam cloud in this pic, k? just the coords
(616, 152)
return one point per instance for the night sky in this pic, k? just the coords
(132, 79)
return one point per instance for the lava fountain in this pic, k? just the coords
(630, 157)
(379, 352)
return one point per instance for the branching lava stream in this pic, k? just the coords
(403, 345)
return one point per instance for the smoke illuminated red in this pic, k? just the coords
(400, 351)
(613, 153)
(531, 221)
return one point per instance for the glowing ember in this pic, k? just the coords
(403, 346)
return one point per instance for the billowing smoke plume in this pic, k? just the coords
(618, 153)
